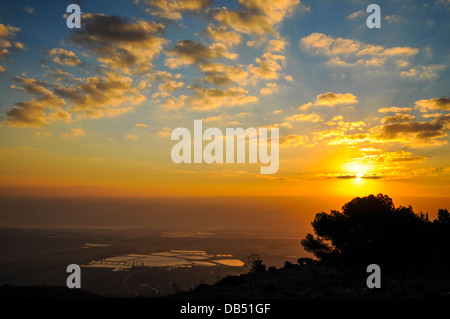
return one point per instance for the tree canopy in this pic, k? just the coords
(372, 230)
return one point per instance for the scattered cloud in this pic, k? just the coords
(271, 88)
(120, 43)
(330, 99)
(28, 9)
(356, 14)
(394, 109)
(8, 42)
(208, 99)
(173, 9)
(350, 53)
(333, 99)
(165, 132)
(313, 117)
(257, 18)
(130, 137)
(74, 132)
(397, 118)
(414, 133)
(423, 72)
(393, 18)
(221, 75)
(109, 95)
(433, 104)
(223, 35)
(188, 52)
(64, 57)
(293, 140)
(32, 113)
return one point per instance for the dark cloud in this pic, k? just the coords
(397, 118)
(188, 52)
(99, 27)
(412, 132)
(121, 43)
(442, 103)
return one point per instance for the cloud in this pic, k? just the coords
(276, 45)
(397, 118)
(120, 43)
(305, 106)
(356, 14)
(109, 95)
(59, 75)
(330, 99)
(268, 67)
(188, 52)
(166, 88)
(173, 9)
(432, 115)
(60, 115)
(74, 132)
(213, 118)
(393, 18)
(32, 113)
(244, 22)
(165, 132)
(175, 103)
(28, 9)
(387, 163)
(433, 104)
(415, 133)
(8, 42)
(338, 137)
(221, 74)
(209, 99)
(346, 126)
(130, 137)
(293, 140)
(313, 117)
(222, 35)
(141, 125)
(271, 88)
(27, 114)
(64, 57)
(333, 99)
(257, 18)
(400, 128)
(350, 53)
(394, 109)
(169, 83)
(424, 72)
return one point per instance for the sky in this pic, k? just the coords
(90, 111)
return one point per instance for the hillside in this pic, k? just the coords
(317, 280)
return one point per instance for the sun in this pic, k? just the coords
(359, 175)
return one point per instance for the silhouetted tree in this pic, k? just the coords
(372, 229)
(305, 261)
(254, 262)
(443, 216)
(288, 265)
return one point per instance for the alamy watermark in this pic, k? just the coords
(213, 152)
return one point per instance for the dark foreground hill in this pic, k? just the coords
(316, 280)
(44, 292)
(311, 281)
